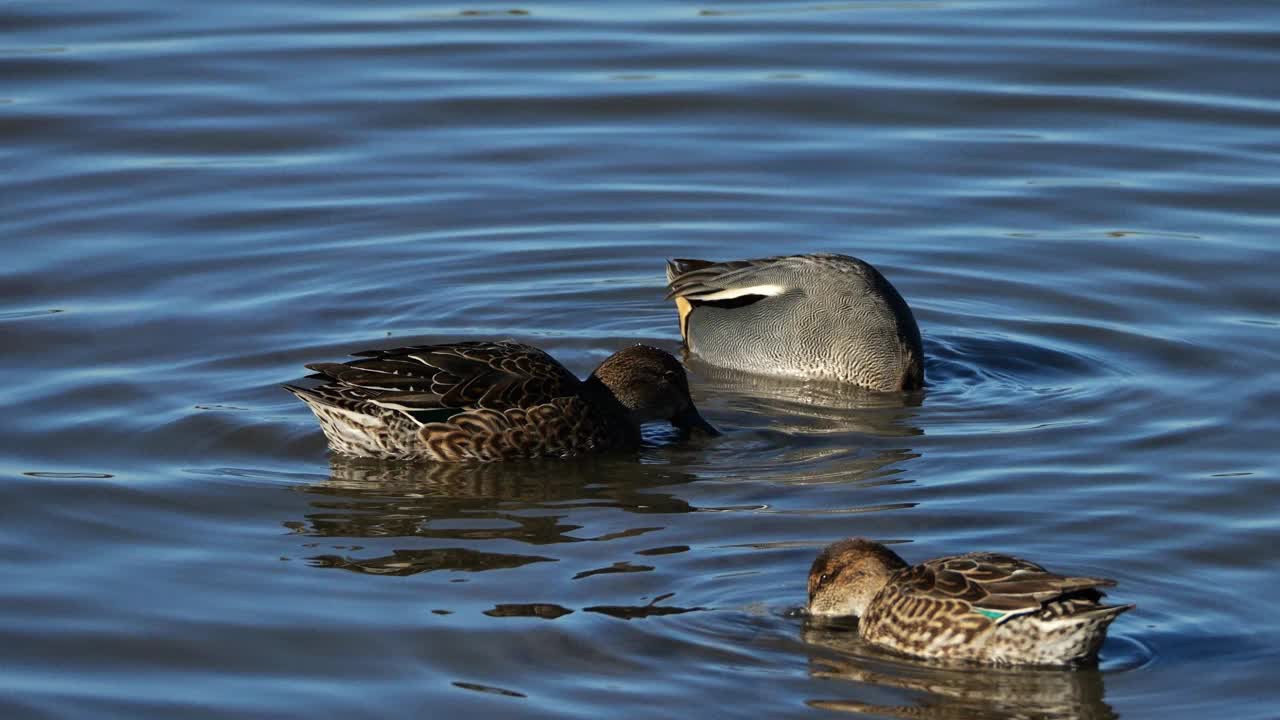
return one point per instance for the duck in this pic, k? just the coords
(821, 316)
(980, 607)
(493, 401)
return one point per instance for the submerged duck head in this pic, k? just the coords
(651, 385)
(804, 317)
(847, 575)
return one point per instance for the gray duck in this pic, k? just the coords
(813, 317)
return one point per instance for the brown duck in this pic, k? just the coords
(488, 401)
(981, 607)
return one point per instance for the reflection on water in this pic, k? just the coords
(812, 406)
(489, 501)
(650, 609)
(918, 689)
(1078, 199)
(546, 611)
(409, 562)
(525, 501)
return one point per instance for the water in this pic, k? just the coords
(1078, 199)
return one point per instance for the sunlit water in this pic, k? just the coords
(1078, 199)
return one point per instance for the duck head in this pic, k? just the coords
(652, 385)
(847, 575)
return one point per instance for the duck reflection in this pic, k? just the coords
(493, 501)
(794, 432)
(549, 611)
(811, 405)
(411, 562)
(942, 692)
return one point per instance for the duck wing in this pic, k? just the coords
(728, 285)
(705, 281)
(997, 586)
(490, 375)
(712, 281)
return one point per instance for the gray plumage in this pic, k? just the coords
(820, 316)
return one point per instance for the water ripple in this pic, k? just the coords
(1077, 199)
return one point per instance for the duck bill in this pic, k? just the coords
(690, 419)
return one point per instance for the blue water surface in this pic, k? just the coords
(1078, 199)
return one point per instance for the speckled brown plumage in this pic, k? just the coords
(490, 401)
(983, 607)
(820, 316)
(946, 692)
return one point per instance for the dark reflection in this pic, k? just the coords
(551, 611)
(667, 550)
(412, 562)
(488, 689)
(546, 611)
(635, 612)
(483, 502)
(68, 475)
(937, 691)
(618, 567)
(488, 13)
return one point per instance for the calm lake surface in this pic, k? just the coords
(1079, 200)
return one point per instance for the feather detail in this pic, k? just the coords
(489, 401)
(817, 316)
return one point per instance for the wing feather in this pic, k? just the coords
(468, 375)
(1007, 585)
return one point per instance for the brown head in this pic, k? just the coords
(847, 574)
(651, 385)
